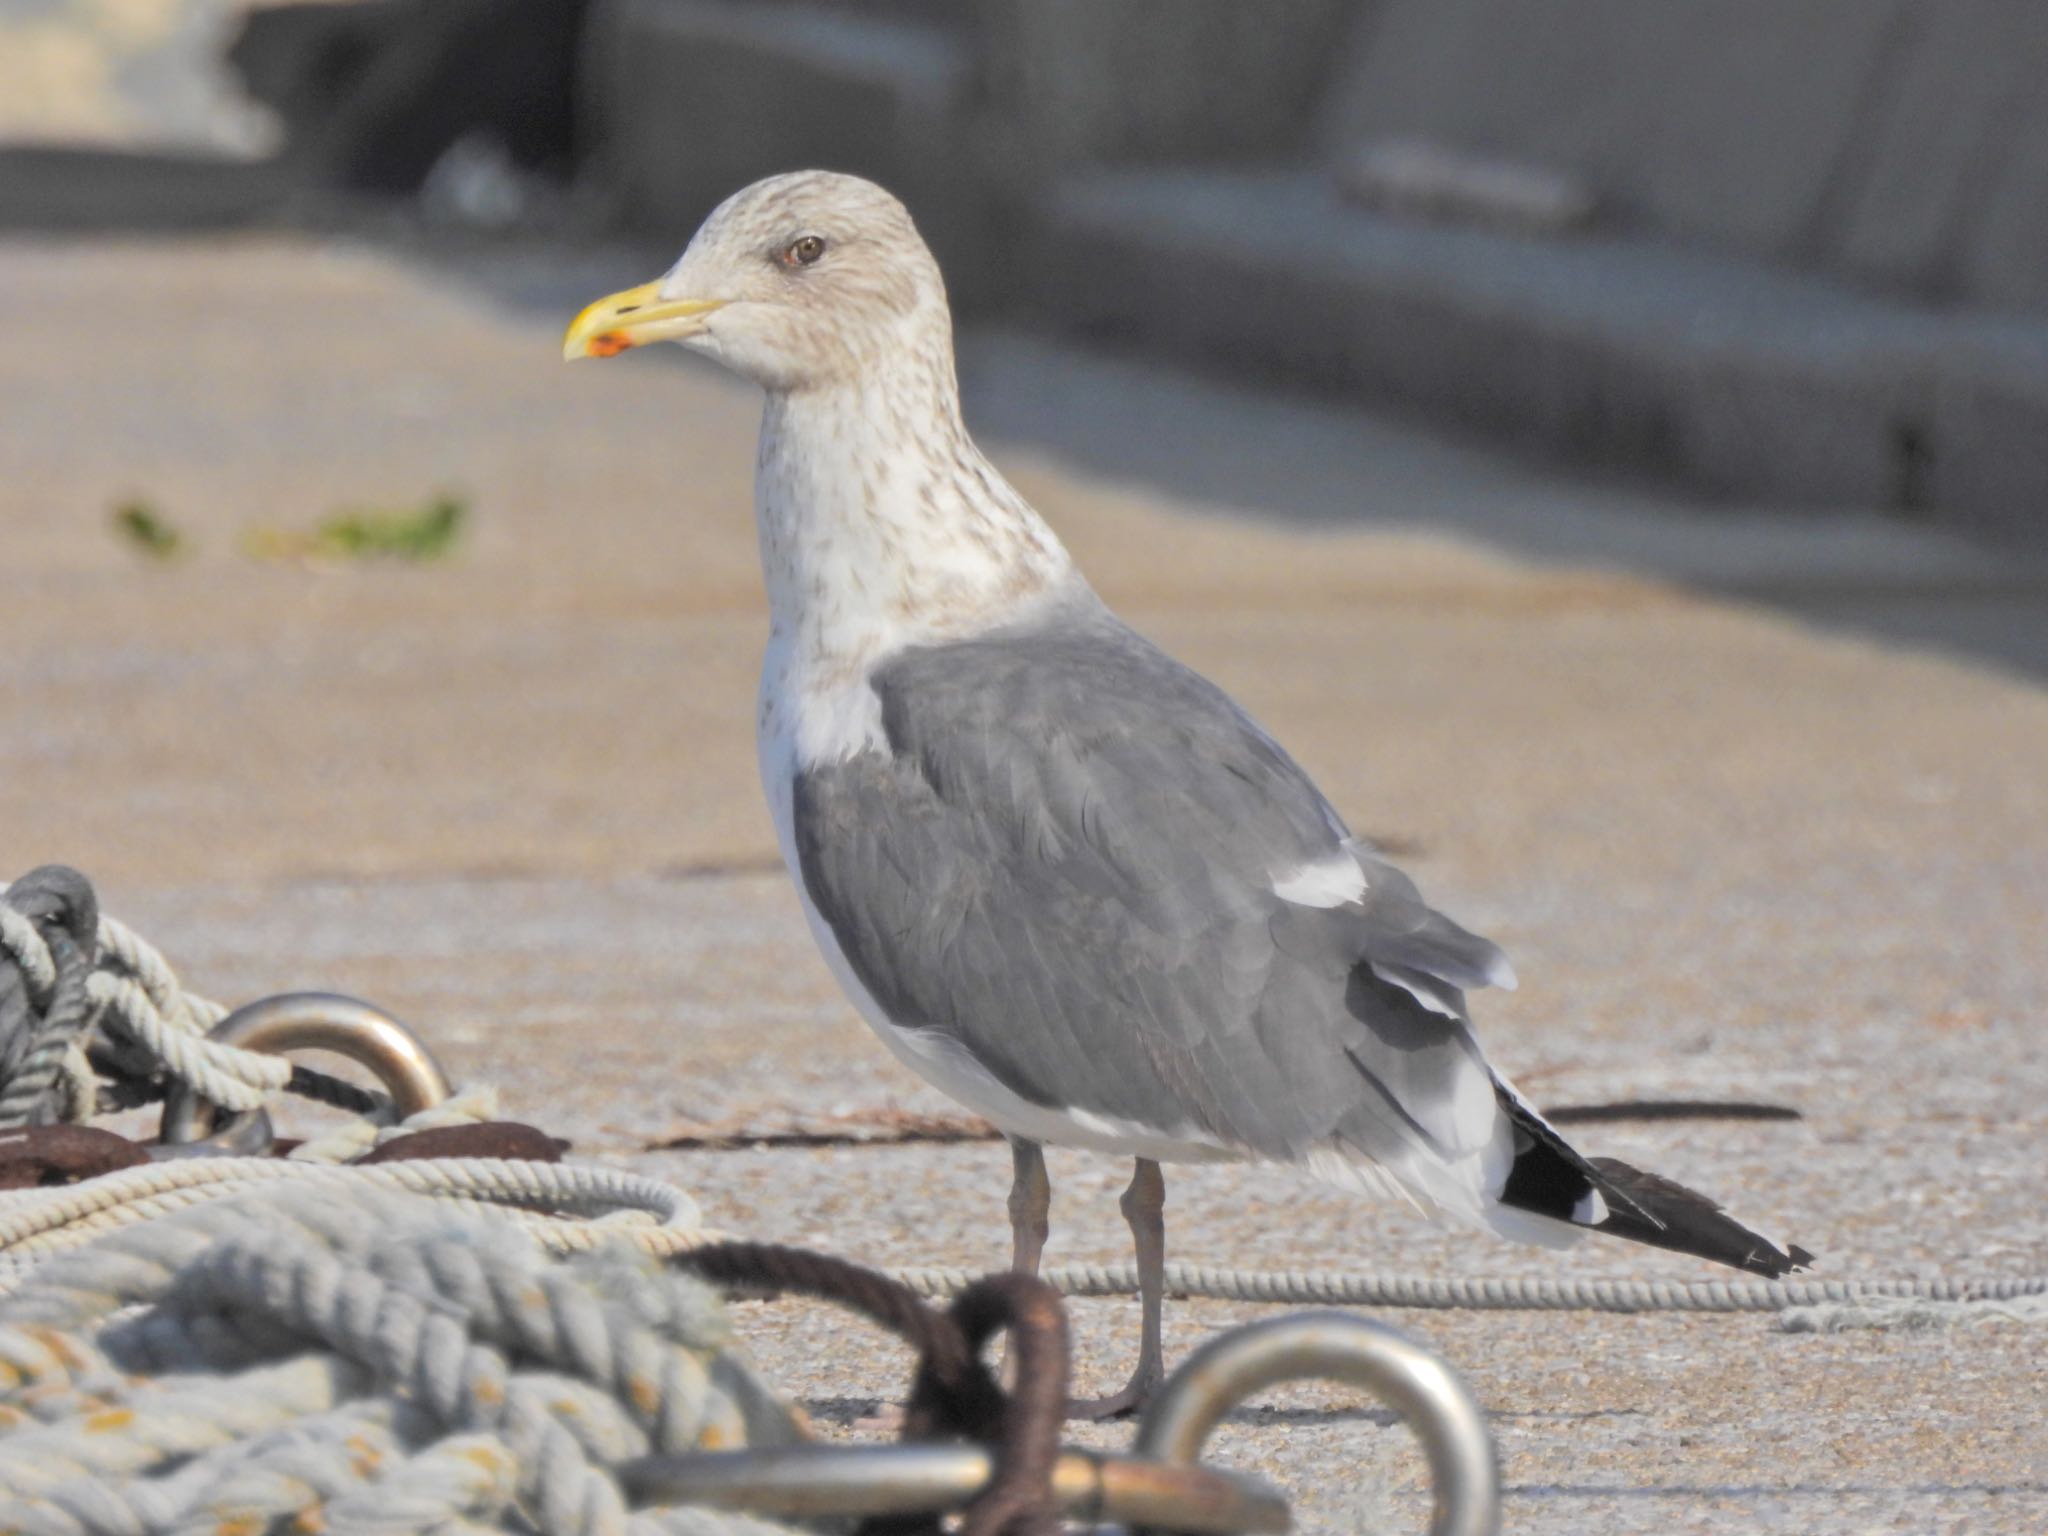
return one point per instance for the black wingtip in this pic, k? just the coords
(1668, 1215)
(1549, 1178)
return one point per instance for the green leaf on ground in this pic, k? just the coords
(425, 532)
(146, 531)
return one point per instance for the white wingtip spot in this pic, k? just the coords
(1591, 1209)
(1328, 882)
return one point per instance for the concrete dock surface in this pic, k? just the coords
(1756, 799)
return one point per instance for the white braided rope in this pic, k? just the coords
(142, 998)
(363, 1362)
(1507, 1294)
(76, 1085)
(565, 1207)
(138, 996)
(23, 940)
(351, 1139)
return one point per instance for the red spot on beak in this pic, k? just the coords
(608, 344)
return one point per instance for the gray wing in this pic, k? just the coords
(1066, 863)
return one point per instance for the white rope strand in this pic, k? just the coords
(569, 1207)
(363, 1362)
(1501, 1294)
(137, 997)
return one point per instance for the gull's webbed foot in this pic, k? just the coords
(1136, 1393)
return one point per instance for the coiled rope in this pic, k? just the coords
(68, 972)
(564, 1207)
(366, 1362)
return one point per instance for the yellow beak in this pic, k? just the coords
(632, 319)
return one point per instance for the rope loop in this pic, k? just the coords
(49, 923)
(370, 1359)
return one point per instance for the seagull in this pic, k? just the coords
(1064, 877)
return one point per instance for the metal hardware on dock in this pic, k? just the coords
(306, 1021)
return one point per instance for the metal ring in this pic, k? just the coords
(323, 1021)
(249, 1134)
(811, 1481)
(1338, 1346)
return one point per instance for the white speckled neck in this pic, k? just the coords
(882, 525)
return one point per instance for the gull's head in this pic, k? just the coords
(800, 281)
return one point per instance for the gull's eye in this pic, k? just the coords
(804, 251)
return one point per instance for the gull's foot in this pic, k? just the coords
(1132, 1399)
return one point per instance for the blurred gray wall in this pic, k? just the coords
(1896, 141)
(1779, 248)
(1902, 142)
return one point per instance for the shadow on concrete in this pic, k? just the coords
(59, 190)
(1321, 463)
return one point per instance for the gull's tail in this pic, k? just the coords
(1549, 1179)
